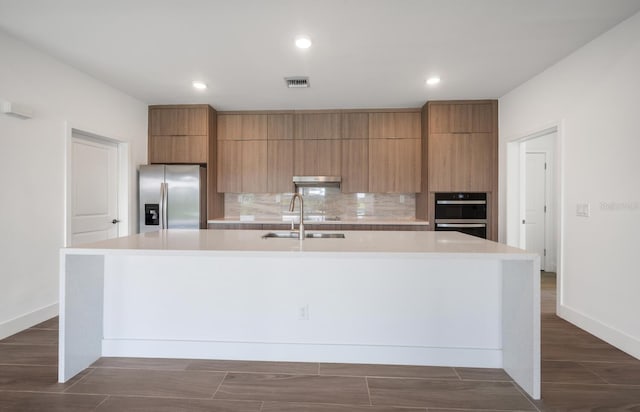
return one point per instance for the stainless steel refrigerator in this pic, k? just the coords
(172, 197)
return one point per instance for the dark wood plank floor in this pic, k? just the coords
(579, 372)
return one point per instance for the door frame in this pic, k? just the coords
(515, 193)
(122, 180)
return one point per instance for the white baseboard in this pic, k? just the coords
(22, 322)
(617, 338)
(294, 352)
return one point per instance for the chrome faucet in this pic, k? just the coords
(292, 205)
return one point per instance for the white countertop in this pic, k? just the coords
(319, 221)
(176, 241)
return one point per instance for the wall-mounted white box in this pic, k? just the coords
(583, 209)
(18, 110)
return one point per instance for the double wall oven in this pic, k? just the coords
(461, 212)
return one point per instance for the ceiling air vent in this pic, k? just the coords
(297, 82)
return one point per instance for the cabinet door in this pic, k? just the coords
(462, 162)
(254, 166)
(355, 125)
(280, 166)
(443, 151)
(317, 157)
(355, 166)
(394, 165)
(178, 149)
(187, 121)
(450, 118)
(461, 118)
(398, 125)
(483, 116)
(483, 161)
(230, 166)
(318, 126)
(279, 126)
(242, 126)
(163, 122)
(192, 121)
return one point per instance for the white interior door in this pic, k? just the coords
(94, 190)
(535, 204)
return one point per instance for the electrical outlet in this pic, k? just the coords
(583, 209)
(303, 312)
(278, 198)
(401, 198)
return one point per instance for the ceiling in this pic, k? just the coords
(365, 53)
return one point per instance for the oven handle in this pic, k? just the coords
(461, 202)
(461, 225)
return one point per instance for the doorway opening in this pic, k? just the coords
(534, 198)
(96, 188)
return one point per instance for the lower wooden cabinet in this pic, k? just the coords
(394, 165)
(242, 166)
(178, 149)
(317, 157)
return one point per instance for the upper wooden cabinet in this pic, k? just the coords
(321, 143)
(180, 134)
(280, 166)
(178, 149)
(462, 146)
(394, 165)
(317, 157)
(394, 125)
(280, 126)
(355, 166)
(242, 126)
(186, 134)
(355, 125)
(462, 162)
(178, 121)
(461, 117)
(318, 126)
(242, 166)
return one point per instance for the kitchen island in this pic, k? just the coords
(412, 298)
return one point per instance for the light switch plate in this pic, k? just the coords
(583, 209)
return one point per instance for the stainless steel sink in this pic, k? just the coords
(294, 235)
(326, 235)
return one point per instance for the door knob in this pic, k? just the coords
(114, 221)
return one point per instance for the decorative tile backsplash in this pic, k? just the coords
(321, 204)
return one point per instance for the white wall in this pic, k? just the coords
(32, 170)
(593, 96)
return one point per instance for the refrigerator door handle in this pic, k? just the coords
(165, 195)
(161, 206)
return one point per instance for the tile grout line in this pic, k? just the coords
(594, 372)
(457, 374)
(527, 396)
(366, 382)
(103, 401)
(220, 384)
(78, 381)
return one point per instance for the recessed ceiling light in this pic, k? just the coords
(199, 85)
(303, 42)
(433, 80)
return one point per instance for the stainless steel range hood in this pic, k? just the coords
(317, 181)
